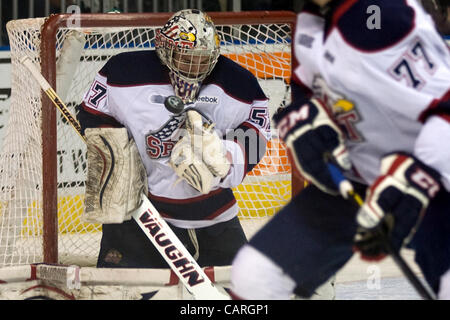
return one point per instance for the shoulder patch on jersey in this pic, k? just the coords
(235, 80)
(135, 68)
(370, 25)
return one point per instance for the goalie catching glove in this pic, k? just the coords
(394, 205)
(199, 157)
(313, 139)
(116, 176)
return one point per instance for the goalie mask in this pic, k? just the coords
(188, 45)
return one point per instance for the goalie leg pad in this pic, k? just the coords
(116, 176)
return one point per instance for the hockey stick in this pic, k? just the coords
(149, 220)
(346, 188)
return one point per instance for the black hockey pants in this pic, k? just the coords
(126, 246)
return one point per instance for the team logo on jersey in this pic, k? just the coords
(343, 109)
(159, 143)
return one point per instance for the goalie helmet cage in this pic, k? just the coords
(43, 160)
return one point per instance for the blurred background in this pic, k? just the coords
(20, 9)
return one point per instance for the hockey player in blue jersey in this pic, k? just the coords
(188, 185)
(371, 93)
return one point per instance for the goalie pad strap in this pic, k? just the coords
(110, 171)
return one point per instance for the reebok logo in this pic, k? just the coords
(206, 99)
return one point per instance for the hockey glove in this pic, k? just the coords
(199, 157)
(208, 144)
(313, 139)
(394, 205)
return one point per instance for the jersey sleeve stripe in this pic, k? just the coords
(446, 117)
(205, 207)
(133, 85)
(440, 107)
(184, 201)
(90, 118)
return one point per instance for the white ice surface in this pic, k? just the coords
(361, 280)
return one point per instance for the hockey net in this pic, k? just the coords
(43, 161)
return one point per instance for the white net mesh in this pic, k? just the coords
(264, 49)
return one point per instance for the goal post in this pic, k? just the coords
(42, 159)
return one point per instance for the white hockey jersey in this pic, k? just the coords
(386, 81)
(130, 91)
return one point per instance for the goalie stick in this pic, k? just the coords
(346, 190)
(149, 220)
